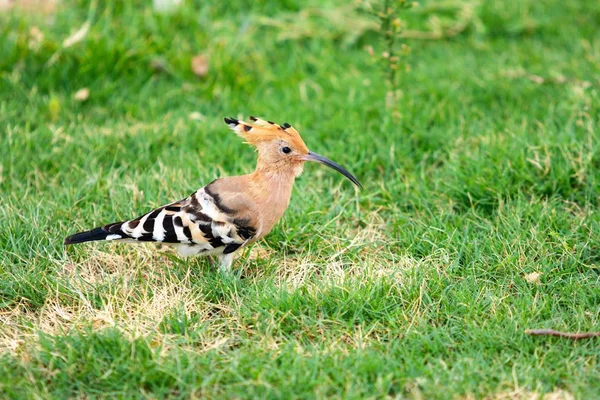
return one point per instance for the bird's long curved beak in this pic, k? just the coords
(324, 160)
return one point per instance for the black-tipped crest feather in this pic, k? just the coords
(232, 122)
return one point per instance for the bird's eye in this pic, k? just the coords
(286, 150)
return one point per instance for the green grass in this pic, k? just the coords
(418, 286)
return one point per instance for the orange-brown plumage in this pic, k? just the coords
(229, 213)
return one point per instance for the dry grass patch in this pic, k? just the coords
(137, 290)
(367, 255)
(30, 6)
(524, 394)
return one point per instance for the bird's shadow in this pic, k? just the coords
(199, 269)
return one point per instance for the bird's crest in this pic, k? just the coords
(260, 130)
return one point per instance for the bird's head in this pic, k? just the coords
(280, 147)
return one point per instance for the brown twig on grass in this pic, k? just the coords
(568, 335)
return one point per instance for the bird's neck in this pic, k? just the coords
(275, 180)
(273, 188)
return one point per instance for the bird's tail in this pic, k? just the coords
(107, 232)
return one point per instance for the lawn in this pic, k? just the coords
(478, 218)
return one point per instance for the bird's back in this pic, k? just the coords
(209, 221)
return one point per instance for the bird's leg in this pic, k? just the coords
(225, 263)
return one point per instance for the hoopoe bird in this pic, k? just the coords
(229, 213)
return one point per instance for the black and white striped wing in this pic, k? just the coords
(200, 221)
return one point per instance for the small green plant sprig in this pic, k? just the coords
(394, 51)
